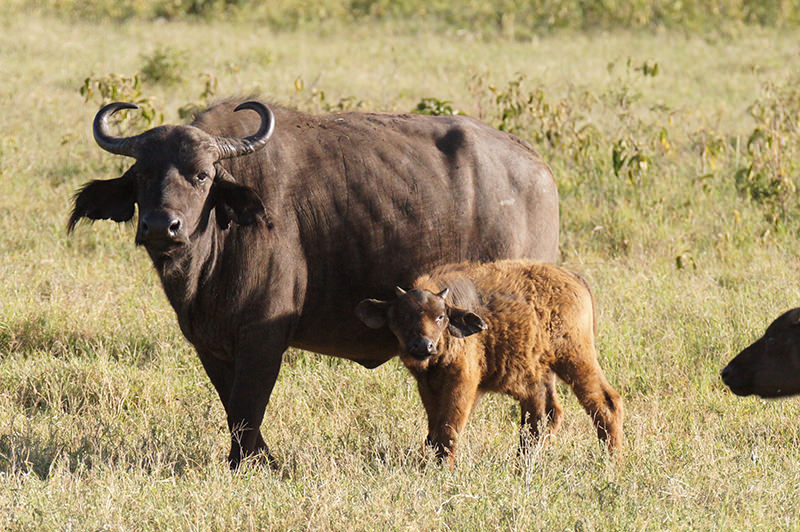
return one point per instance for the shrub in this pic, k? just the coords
(435, 106)
(116, 87)
(190, 110)
(164, 65)
(772, 157)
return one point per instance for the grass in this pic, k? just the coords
(517, 19)
(108, 422)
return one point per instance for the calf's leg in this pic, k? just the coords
(456, 399)
(540, 410)
(582, 373)
(553, 406)
(430, 400)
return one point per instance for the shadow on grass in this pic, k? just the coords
(35, 335)
(40, 448)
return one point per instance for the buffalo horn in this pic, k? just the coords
(104, 139)
(234, 147)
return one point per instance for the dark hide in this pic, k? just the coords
(770, 366)
(238, 204)
(275, 249)
(112, 199)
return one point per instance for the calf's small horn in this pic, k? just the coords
(107, 141)
(234, 147)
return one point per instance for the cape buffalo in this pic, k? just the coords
(269, 240)
(506, 326)
(770, 366)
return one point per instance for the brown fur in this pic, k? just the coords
(540, 321)
(770, 366)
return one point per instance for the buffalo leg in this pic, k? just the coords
(258, 362)
(553, 409)
(430, 400)
(456, 400)
(221, 374)
(540, 410)
(595, 394)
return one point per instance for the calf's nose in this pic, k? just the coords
(422, 348)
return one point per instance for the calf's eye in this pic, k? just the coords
(440, 319)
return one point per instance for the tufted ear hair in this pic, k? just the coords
(105, 199)
(372, 312)
(236, 203)
(464, 323)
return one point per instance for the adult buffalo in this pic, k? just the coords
(770, 366)
(270, 240)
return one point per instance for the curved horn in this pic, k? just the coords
(104, 139)
(399, 292)
(232, 147)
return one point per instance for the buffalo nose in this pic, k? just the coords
(422, 348)
(726, 371)
(161, 225)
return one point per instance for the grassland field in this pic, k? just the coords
(676, 154)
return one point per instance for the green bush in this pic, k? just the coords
(164, 65)
(513, 18)
(114, 88)
(772, 157)
(435, 106)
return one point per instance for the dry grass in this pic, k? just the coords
(107, 421)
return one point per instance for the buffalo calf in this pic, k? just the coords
(770, 366)
(506, 327)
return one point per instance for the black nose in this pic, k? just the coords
(725, 372)
(422, 348)
(160, 225)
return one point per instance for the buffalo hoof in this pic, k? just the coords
(259, 459)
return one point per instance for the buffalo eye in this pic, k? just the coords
(440, 319)
(201, 177)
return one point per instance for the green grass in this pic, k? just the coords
(108, 422)
(518, 19)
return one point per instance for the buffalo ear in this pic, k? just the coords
(238, 204)
(464, 323)
(104, 199)
(372, 312)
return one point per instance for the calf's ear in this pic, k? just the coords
(372, 312)
(464, 323)
(238, 204)
(104, 199)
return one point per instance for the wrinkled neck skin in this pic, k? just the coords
(191, 267)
